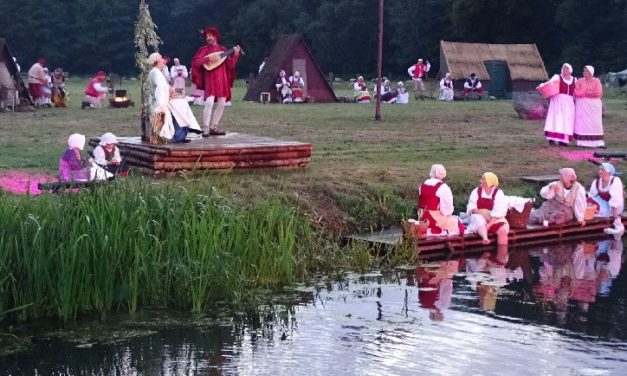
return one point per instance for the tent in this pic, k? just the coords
(10, 79)
(502, 68)
(290, 54)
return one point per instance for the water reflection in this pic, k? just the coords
(558, 310)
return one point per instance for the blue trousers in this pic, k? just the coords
(179, 132)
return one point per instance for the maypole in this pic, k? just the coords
(146, 39)
(377, 111)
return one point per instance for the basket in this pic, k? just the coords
(591, 210)
(518, 219)
(414, 229)
(549, 89)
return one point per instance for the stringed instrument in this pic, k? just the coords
(219, 57)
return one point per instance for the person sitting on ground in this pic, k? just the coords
(107, 155)
(46, 90)
(59, 94)
(297, 84)
(283, 88)
(565, 200)
(402, 96)
(179, 74)
(72, 167)
(435, 204)
(606, 193)
(418, 74)
(446, 88)
(473, 85)
(95, 92)
(387, 94)
(36, 80)
(360, 91)
(487, 208)
(178, 118)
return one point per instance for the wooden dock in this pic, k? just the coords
(530, 236)
(231, 151)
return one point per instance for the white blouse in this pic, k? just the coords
(500, 202)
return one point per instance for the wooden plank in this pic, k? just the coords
(228, 164)
(540, 178)
(234, 157)
(242, 149)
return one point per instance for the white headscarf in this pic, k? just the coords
(590, 69)
(437, 172)
(570, 67)
(76, 141)
(153, 57)
(108, 138)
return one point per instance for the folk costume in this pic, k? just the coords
(588, 130)
(36, 80)
(95, 92)
(178, 74)
(446, 88)
(360, 91)
(562, 204)
(387, 94)
(297, 84)
(606, 193)
(418, 74)
(473, 85)
(283, 88)
(560, 119)
(107, 155)
(491, 207)
(59, 94)
(435, 205)
(73, 168)
(178, 117)
(402, 96)
(215, 83)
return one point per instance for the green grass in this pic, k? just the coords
(189, 241)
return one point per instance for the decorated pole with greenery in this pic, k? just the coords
(146, 39)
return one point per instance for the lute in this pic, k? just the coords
(217, 58)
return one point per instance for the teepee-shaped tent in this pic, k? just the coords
(291, 54)
(10, 80)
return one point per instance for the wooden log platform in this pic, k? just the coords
(231, 151)
(530, 236)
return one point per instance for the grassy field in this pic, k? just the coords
(189, 241)
(363, 172)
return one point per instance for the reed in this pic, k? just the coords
(135, 244)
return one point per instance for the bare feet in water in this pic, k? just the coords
(485, 241)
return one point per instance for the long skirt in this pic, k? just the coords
(560, 120)
(588, 122)
(552, 211)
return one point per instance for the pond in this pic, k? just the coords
(557, 310)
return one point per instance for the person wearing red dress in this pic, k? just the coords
(214, 83)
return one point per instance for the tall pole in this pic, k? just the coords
(377, 113)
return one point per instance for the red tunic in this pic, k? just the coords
(568, 89)
(429, 201)
(215, 82)
(90, 89)
(488, 204)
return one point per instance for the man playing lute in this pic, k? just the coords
(209, 72)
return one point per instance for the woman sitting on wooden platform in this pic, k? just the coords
(487, 208)
(107, 155)
(435, 205)
(606, 193)
(73, 168)
(565, 200)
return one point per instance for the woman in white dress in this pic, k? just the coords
(560, 120)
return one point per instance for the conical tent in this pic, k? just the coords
(290, 54)
(9, 76)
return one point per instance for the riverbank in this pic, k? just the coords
(363, 175)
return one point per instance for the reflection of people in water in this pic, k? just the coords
(435, 288)
(609, 256)
(488, 273)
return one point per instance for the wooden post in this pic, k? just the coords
(377, 114)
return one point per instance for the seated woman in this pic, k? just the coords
(565, 200)
(487, 208)
(606, 193)
(446, 88)
(387, 94)
(402, 96)
(107, 155)
(297, 84)
(283, 88)
(435, 204)
(360, 91)
(72, 167)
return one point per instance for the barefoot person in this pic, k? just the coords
(214, 82)
(487, 208)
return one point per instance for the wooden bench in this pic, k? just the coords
(609, 155)
(540, 179)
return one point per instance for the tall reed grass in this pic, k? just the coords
(123, 247)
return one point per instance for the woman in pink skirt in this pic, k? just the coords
(560, 120)
(588, 110)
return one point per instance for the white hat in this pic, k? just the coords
(154, 57)
(76, 140)
(108, 138)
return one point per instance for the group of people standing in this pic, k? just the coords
(575, 108)
(289, 89)
(566, 200)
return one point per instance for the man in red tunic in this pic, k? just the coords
(214, 83)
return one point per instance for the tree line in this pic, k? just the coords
(83, 36)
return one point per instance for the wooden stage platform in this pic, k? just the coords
(231, 151)
(530, 236)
